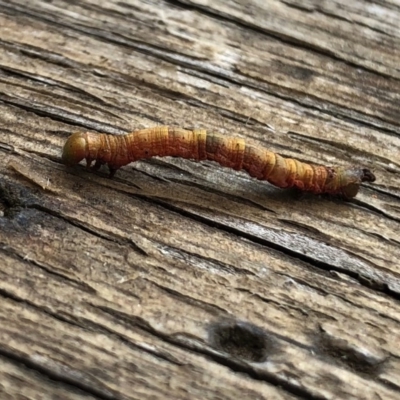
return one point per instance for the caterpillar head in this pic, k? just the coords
(75, 149)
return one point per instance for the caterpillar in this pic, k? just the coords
(231, 152)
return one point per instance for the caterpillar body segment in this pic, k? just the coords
(231, 152)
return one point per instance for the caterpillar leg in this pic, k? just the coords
(97, 165)
(112, 172)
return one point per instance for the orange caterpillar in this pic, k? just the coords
(230, 152)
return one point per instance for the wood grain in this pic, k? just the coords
(177, 280)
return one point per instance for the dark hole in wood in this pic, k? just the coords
(241, 339)
(10, 202)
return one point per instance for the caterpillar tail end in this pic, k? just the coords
(367, 175)
(74, 150)
(351, 180)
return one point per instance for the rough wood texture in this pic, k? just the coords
(186, 280)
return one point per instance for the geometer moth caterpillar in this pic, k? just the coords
(231, 152)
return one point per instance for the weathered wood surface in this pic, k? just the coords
(130, 288)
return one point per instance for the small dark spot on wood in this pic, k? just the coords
(10, 199)
(346, 354)
(372, 282)
(295, 71)
(241, 339)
